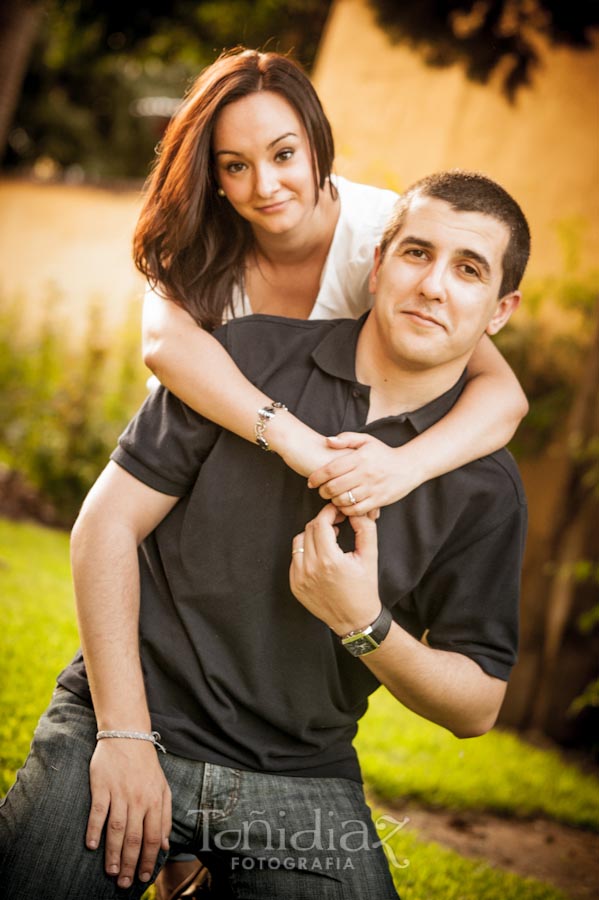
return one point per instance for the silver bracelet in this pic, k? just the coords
(265, 414)
(153, 737)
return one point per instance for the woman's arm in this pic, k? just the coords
(484, 419)
(197, 369)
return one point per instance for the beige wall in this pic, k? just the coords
(395, 120)
(64, 247)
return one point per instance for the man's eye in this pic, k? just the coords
(416, 252)
(470, 271)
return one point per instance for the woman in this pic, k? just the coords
(242, 215)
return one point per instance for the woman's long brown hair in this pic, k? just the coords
(189, 242)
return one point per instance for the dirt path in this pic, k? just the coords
(565, 857)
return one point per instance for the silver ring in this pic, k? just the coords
(298, 550)
(352, 499)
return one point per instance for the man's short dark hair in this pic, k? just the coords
(472, 192)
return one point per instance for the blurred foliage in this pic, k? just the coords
(553, 348)
(62, 408)
(546, 346)
(589, 697)
(488, 36)
(92, 64)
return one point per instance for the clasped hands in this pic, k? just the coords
(365, 473)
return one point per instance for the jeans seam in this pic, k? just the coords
(213, 814)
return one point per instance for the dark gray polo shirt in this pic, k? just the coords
(237, 671)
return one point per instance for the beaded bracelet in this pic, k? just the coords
(153, 737)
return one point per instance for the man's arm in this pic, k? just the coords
(129, 791)
(341, 588)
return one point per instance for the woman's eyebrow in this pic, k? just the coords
(268, 147)
(282, 138)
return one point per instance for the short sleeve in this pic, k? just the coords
(469, 598)
(165, 444)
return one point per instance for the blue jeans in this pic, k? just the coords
(262, 836)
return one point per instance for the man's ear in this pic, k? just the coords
(506, 305)
(375, 270)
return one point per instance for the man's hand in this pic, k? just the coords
(374, 473)
(339, 588)
(131, 795)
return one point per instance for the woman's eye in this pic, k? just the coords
(284, 155)
(235, 167)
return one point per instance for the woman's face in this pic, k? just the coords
(263, 162)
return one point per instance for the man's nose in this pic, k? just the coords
(433, 283)
(267, 181)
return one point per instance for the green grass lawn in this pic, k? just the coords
(38, 634)
(434, 873)
(402, 755)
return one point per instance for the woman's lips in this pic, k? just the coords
(273, 207)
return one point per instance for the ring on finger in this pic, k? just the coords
(297, 550)
(352, 499)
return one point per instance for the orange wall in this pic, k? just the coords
(395, 120)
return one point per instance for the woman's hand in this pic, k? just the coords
(302, 449)
(373, 474)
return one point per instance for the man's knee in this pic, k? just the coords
(43, 816)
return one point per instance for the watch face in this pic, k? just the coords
(360, 645)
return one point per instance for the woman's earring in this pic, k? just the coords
(221, 193)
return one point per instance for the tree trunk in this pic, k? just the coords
(19, 22)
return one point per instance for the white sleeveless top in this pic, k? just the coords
(343, 289)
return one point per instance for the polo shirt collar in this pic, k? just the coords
(336, 355)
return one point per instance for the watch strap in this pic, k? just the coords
(365, 640)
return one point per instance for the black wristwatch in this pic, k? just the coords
(359, 643)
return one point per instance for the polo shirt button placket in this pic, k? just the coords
(357, 410)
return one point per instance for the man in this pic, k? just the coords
(253, 669)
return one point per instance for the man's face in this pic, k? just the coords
(437, 287)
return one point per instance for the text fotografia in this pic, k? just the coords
(299, 849)
(301, 863)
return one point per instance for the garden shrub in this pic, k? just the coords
(63, 406)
